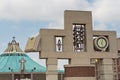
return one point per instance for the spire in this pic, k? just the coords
(13, 47)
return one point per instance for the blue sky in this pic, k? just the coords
(24, 18)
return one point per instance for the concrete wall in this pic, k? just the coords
(36, 76)
(5, 77)
(47, 46)
(118, 44)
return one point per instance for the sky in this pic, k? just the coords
(24, 18)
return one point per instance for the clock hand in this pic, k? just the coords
(102, 42)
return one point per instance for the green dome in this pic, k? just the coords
(11, 63)
(15, 60)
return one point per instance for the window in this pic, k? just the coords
(59, 44)
(79, 39)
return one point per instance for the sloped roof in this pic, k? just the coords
(11, 63)
(11, 60)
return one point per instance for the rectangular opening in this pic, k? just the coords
(79, 38)
(59, 43)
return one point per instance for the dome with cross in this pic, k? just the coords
(13, 59)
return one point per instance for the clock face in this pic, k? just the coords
(101, 42)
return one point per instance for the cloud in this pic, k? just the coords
(100, 26)
(45, 10)
(36, 9)
(104, 11)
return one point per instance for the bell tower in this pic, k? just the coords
(91, 53)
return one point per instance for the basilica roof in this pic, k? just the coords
(13, 59)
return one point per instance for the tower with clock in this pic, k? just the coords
(92, 54)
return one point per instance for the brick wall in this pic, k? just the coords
(80, 71)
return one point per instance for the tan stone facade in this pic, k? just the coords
(88, 51)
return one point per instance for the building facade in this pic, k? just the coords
(92, 54)
(16, 65)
